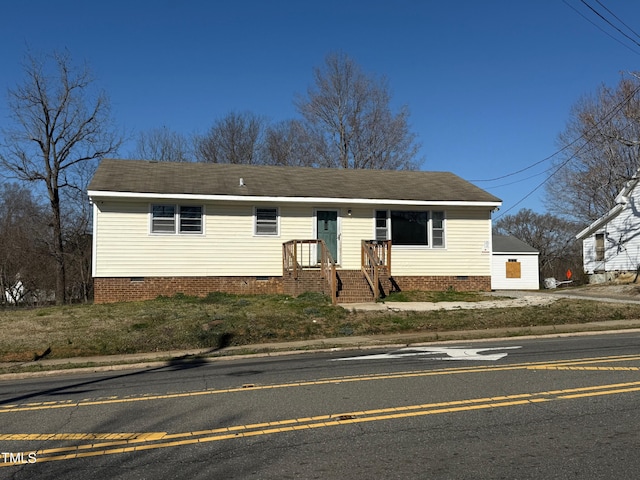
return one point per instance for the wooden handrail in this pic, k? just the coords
(375, 254)
(370, 268)
(298, 255)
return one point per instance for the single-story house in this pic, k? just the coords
(611, 244)
(162, 228)
(514, 264)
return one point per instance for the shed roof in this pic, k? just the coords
(511, 244)
(167, 178)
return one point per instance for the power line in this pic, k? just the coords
(600, 28)
(617, 18)
(530, 166)
(608, 22)
(584, 137)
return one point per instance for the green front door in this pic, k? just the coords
(327, 227)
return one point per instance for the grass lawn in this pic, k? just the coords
(220, 320)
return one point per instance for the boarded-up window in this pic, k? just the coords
(514, 269)
(599, 247)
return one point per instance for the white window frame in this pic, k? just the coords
(162, 220)
(377, 229)
(433, 229)
(256, 222)
(177, 219)
(430, 228)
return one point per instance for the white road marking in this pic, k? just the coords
(450, 353)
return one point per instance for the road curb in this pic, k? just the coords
(158, 360)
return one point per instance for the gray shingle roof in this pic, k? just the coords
(510, 244)
(138, 176)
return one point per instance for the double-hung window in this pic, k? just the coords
(190, 219)
(437, 229)
(266, 221)
(382, 228)
(183, 219)
(163, 219)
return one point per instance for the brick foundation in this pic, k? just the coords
(109, 290)
(438, 284)
(307, 281)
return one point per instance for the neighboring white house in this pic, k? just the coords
(162, 228)
(514, 265)
(15, 293)
(611, 244)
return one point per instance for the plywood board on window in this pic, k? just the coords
(514, 270)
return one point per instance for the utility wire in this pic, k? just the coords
(530, 166)
(608, 22)
(617, 18)
(600, 28)
(587, 134)
(605, 118)
(607, 33)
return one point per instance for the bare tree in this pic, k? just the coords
(25, 265)
(601, 152)
(236, 138)
(552, 236)
(352, 121)
(60, 123)
(163, 145)
(288, 143)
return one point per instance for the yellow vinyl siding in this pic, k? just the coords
(125, 246)
(466, 231)
(355, 228)
(228, 247)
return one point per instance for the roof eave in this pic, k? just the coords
(96, 194)
(614, 212)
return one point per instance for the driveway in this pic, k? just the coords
(625, 293)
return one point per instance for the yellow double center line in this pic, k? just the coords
(579, 364)
(117, 443)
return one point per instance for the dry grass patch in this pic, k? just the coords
(219, 320)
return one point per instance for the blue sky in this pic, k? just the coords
(489, 84)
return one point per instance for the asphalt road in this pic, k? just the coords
(518, 409)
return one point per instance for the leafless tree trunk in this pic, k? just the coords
(59, 124)
(354, 126)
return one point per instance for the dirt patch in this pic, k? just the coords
(618, 289)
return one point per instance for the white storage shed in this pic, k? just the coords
(514, 264)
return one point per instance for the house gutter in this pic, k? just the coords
(95, 195)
